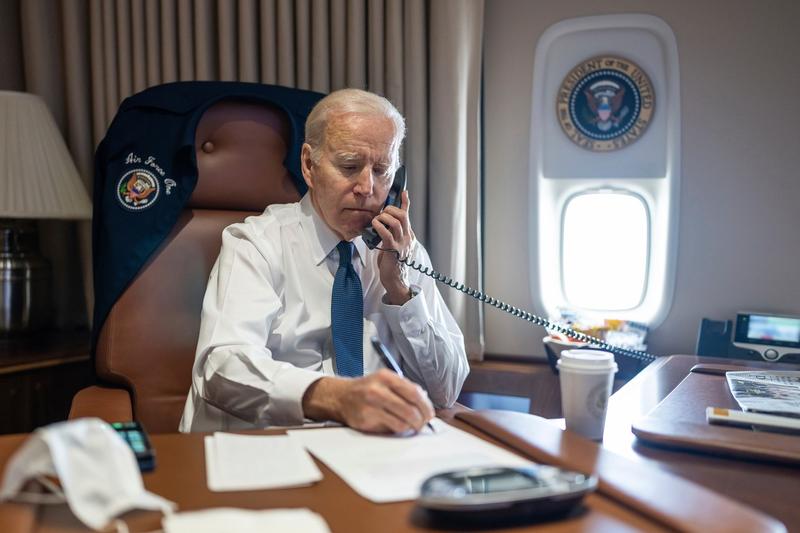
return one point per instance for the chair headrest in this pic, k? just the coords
(240, 148)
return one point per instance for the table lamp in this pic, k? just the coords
(38, 179)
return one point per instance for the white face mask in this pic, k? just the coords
(97, 470)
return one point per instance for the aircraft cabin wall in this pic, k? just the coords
(740, 186)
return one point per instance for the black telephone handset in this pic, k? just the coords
(372, 240)
(370, 236)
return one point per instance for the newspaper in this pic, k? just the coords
(766, 391)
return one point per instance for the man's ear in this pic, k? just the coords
(306, 165)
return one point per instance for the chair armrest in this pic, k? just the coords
(107, 403)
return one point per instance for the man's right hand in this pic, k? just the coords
(382, 402)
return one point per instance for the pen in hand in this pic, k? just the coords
(392, 365)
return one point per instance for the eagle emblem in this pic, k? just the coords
(605, 101)
(137, 189)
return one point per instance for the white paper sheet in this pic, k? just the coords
(245, 521)
(389, 469)
(254, 462)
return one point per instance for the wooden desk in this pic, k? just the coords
(770, 487)
(531, 380)
(180, 477)
(526, 379)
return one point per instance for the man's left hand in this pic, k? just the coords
(394, 228)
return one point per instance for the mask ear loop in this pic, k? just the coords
(56, 495)
(122, 527)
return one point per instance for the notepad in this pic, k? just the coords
(245, 521)
(393, 468)
(255, 462)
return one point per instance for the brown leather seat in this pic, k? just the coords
(147, 343)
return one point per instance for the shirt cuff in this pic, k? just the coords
(411, 317)
(286, 400)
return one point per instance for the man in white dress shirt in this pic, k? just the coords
(265, 355)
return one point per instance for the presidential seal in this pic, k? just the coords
(605, 103)
(137, 189)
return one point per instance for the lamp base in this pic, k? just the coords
(24, 280)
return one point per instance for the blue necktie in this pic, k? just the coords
(347, 312)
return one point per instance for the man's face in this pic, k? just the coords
(349, 183)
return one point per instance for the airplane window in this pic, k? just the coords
(605, 165)
(604, 255)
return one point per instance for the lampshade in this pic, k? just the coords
(38, 178)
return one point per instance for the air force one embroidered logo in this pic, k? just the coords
(605, 103)
(138, 189)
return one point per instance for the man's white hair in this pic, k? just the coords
(352, 101)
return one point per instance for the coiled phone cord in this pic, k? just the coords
(520, 313)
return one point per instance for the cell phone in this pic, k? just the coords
(395, 198)
(133, 434)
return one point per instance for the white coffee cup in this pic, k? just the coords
(586, 378)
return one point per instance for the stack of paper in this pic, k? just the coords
(254, 462)
(392, 468)
(768, 391)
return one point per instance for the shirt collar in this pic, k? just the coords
(320, 237)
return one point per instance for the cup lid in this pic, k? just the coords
(587, 360)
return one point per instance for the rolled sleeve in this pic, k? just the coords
(288, 386)
(409, 318)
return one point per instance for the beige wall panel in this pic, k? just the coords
(737, 243)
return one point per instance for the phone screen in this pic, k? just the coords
(133, 434)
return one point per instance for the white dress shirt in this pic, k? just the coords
(265, 335)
